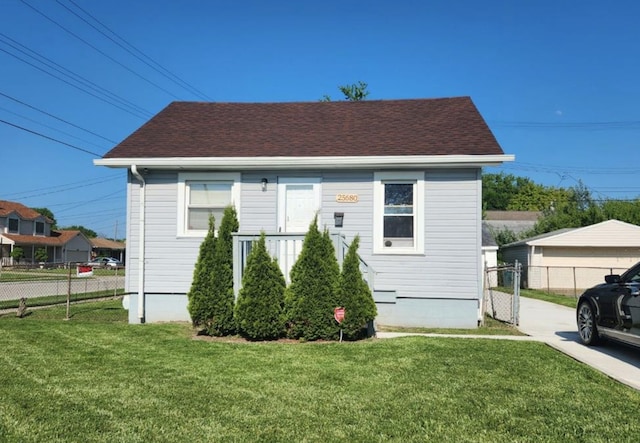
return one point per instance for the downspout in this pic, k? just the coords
(134, 171)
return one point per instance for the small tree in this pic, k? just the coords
(17, 254)
(354, 294)
(202, 284)
(41, 255)
(311, 296)
(260, 306)
(221, 321)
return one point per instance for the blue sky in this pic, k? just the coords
(557, 81)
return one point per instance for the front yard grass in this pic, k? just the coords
(109, 381)
(491, 327)
(564, 300)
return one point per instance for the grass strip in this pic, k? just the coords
(104, 382)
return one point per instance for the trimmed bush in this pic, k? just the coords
(354, 294)
(312, 294)
(200, 307)
(222, 297)
(260, 306)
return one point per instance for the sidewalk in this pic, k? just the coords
(555, 325)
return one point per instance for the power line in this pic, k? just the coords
(631, 124)
(49, 127)
(100, 51)
(137, 54)
(60, 188)
(50, 138)
(55, 117)
(50, 64)
(71, 84)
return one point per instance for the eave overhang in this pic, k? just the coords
(354, 162)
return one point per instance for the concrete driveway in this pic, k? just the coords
(556, 325)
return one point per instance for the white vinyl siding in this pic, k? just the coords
(441, 282)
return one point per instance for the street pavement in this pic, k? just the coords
(555, 325)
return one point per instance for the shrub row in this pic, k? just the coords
(266, 308)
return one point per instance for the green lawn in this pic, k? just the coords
(81, 381)
(565, 300)
(52, 274)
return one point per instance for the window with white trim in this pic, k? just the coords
(14, 225)
(201, 195)
(398, 213)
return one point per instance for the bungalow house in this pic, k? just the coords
(404, 175)
(572, 259)
(29, 230)
(104, 247)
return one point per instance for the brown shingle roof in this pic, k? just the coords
(105, 243)
(57, 238)
(446, 126)
(7, 207)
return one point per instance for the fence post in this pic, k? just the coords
(68, 292)
(516, 293)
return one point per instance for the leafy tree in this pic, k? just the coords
(626, 211)
(47, 213)
(199, 295)
(86, 231)
(499, 189)
(17, 253)
(312, 294)
(221, 322)
(535, 197)
(259, 311)
(41, 255)
(354, 294)
(354, 92)
(577, 211)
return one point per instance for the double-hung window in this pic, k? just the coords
(398, 212)
(202, 195)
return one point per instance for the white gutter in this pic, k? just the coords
(134, 171)
(350, 162)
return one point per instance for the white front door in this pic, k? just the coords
(298, 203)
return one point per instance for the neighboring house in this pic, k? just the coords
(515, 221)
(575, 258)
(404, 175)
(103, 247)
(23, 227)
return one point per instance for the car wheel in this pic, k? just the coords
(587, 327)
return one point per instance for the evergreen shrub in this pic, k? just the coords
(355, 296)
(259, 312)
(312, 294)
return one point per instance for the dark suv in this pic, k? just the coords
(611, 309)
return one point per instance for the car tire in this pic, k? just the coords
(587, 327)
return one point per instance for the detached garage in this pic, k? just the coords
(570, 260)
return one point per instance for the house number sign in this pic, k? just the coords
(347, 198)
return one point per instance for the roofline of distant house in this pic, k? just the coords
(350, 162)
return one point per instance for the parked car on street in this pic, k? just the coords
(611, 310)
(105, 262)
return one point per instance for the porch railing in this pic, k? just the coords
(286, 247)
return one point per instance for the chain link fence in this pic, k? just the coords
(566, 280)
(65, 289)
(501, 298)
